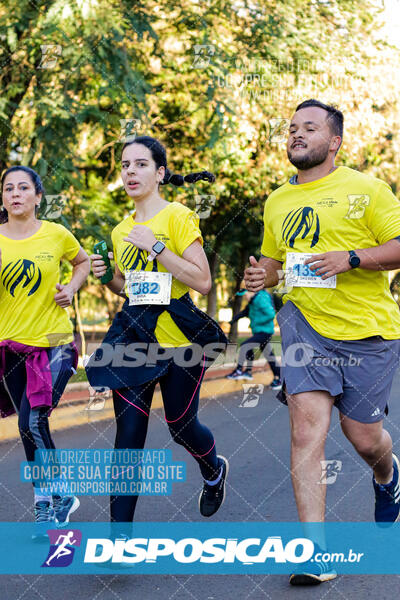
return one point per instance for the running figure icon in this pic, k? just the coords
(62, 549)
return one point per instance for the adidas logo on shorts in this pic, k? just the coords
(376, 412)
(396, 493)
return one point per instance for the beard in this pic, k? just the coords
(311, 159)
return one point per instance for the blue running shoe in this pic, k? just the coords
(239, 375)
(387, 498)
(64, 507)
(44, 520)
(276, 384)
(313, 572)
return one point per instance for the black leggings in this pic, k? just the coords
(180, 389)
(258, 340)
(33, 423)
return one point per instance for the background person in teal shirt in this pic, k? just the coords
(261, 312)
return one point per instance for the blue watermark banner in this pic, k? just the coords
(104, 472)
(198, 548)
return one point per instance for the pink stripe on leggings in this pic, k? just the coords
(187, 408)
(138, 407)
(200, 455)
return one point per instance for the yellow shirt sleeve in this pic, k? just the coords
(71, 245)
(384, 215)
(269, 246)
(186, 230)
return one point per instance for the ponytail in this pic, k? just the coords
(3, 215)
(179, 180)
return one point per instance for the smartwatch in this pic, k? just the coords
(354, 260)
(156, 250)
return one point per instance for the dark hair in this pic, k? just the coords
(34, 177)
(335, 116)
(159, 156)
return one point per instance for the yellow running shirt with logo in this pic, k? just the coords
(30, 270)
(346, 210)
(177, 227)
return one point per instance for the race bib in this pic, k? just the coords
(300, 275)
(148, 287)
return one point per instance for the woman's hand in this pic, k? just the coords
(98, 265)
(142, 237)
(64, 295)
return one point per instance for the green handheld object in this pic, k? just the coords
(101, 249)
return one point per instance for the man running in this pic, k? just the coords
(335, 232)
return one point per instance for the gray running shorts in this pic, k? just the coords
(358, 373)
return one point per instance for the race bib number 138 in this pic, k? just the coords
(148, 287)
(300, 275)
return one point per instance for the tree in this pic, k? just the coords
(215, 80)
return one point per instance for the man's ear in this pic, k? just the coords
(335, 143)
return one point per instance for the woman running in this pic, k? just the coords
(37, 353)
(160, 238)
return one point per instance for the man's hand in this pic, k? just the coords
(329, 263)
(64, 296)
(254, 276)
(142, 237)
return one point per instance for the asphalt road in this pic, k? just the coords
(256, 441)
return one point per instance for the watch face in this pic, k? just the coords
(158, 246)
(354, 261)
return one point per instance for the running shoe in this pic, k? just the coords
(313, 572)
(276, 384)
(44, 520)
(238, 374)
(64, 507)
(213, 496)
(387, 498)
(247, 374)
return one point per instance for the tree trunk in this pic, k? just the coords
(236, 302)
(212, 294)
(79, 325)
(114, 302)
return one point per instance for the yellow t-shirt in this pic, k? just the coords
(177, 227)
(30, 271)
(345, 210)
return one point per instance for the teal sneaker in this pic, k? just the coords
(64, 507)
(44, 520)
(313, 572)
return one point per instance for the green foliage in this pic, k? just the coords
(255, 61)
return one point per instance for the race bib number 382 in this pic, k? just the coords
(148, 287)
(300, 275)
